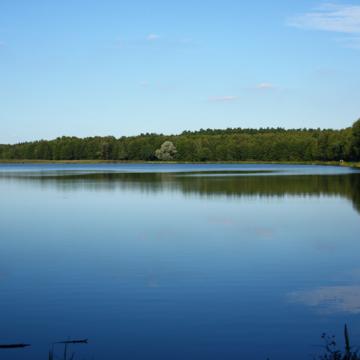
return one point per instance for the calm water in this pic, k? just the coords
(178, 261)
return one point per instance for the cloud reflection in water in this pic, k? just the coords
(330, 299)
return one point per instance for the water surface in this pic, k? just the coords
(178, 261)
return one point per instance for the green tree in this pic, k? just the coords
(266, 144)
(166, 152)
(356, 139)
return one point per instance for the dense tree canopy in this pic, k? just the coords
(270, 144)
(356, 138)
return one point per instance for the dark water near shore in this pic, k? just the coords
(178, 261)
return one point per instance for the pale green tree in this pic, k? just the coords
(166, 152)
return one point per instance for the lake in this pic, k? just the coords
(152, 261)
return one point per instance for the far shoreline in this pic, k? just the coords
(84, 162)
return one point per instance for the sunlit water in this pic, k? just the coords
(178, 261)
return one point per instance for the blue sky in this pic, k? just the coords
(112, 67)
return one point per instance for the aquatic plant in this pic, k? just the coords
(332, 352)
(65, 353)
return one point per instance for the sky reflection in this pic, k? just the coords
(145, 263)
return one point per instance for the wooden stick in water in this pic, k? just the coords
(83, 341)
(14, 346)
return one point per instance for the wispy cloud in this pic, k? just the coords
(152, 37)
(265, 86)
(144, 83)
(158, 86)
(153, 41)
(351, 42)
(331, 17)
(227, 98)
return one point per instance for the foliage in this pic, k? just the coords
(356, 139)
(166, 152)
(270, 144)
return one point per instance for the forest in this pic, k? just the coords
(238, 144)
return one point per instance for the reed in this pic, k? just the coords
(332, 352)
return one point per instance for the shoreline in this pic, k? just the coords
(324, 163)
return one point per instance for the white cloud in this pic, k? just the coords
(152, 37)
(227, 98)
(265, 86)
(330, 17)
(336, 18)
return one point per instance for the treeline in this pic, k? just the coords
(270, 144)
